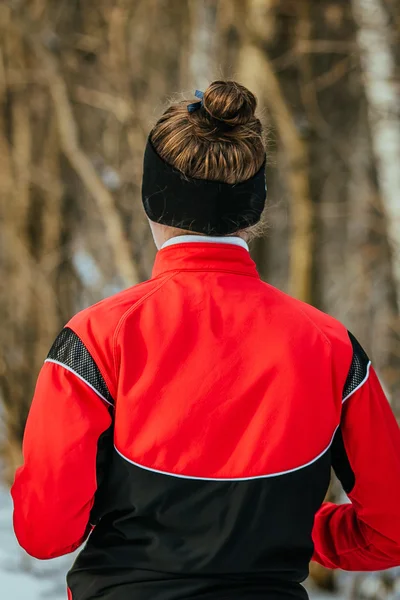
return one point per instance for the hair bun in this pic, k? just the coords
(229, 102)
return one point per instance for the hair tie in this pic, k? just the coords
(196, 105)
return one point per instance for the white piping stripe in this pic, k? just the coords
(56, 362)
(361, 384)
(207, 239)
(227, 478)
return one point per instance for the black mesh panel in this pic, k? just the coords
(69, 350)
(358, 370)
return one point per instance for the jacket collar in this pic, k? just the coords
(204, 256)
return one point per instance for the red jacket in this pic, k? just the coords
(192, 421)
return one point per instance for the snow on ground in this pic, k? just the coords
(23, 578)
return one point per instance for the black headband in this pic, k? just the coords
(199, 205)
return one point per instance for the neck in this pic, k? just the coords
(163, 233)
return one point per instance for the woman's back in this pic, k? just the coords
(224, 417)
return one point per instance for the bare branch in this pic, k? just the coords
(118, 106)
(325, 47)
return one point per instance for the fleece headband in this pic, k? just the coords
(199, 205)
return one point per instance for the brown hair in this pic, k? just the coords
(222, 141)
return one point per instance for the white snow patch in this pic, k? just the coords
(22, 577)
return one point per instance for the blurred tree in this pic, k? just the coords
(35, 257)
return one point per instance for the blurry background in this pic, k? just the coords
(82, 82)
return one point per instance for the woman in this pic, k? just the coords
(189, 424)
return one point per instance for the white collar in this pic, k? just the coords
(208, 239)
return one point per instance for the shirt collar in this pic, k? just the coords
(206, 239)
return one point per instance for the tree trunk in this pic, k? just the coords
(376, 38)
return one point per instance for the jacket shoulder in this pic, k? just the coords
(333, 330)
(330, 329)
(106, 314)
(95, 327)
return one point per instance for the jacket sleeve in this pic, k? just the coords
(363, 535)
(71, 412)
